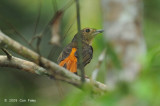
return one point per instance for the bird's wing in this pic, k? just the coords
(87, 52)
(65, 53)
(87, 55)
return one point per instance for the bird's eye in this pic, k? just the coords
(87, 30)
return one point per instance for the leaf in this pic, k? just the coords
(55, 28)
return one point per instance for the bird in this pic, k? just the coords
(68, 58)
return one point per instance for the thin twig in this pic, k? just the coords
(33, 38)
(54, 3)
(17, 33)
(66, 32)
(80, 42)
(9, 56)
(38, 18)
(39, 37)
(67, 5)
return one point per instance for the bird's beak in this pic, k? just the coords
(98, 31)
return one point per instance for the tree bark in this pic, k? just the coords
(123, 31)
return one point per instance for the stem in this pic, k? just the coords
(80, 42)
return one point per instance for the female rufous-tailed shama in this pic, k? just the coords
(69, 56)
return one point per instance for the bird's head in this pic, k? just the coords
(88, 34)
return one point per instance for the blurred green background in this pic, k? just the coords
(21, 15)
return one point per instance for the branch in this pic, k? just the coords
(21, 64)
(53, 69)
(9, 56)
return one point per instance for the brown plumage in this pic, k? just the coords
(69, 56)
